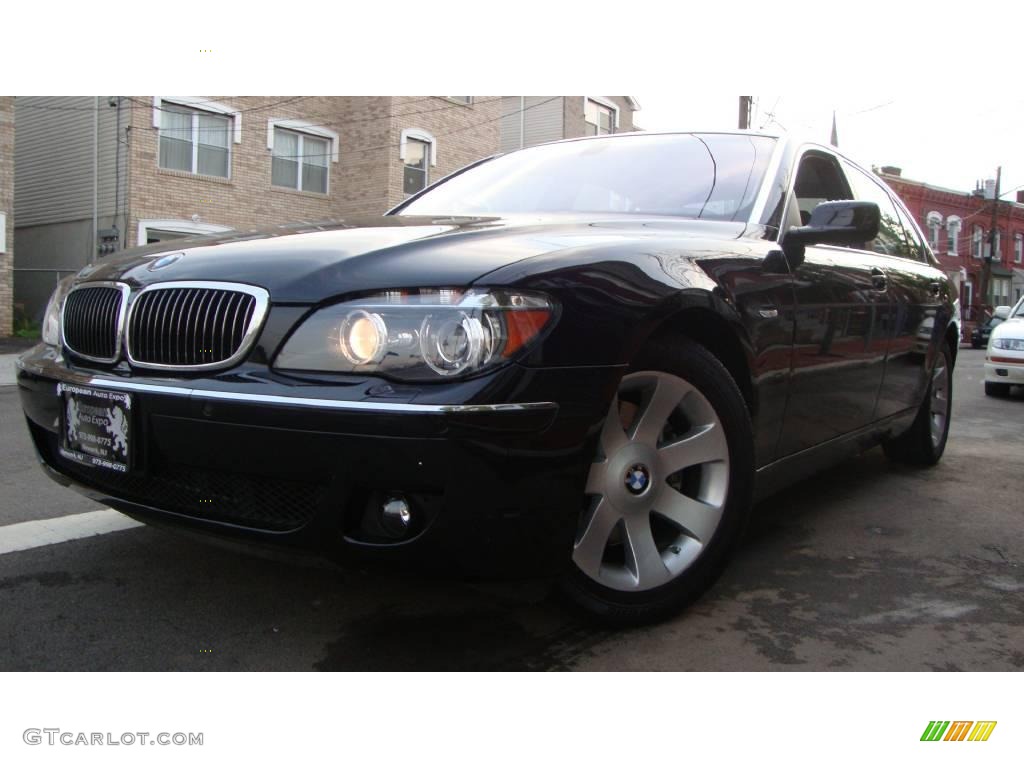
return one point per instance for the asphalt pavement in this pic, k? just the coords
(867, 566)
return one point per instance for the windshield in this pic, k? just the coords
(696, 176)
(1019, 310)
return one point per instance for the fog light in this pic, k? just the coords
(396, 516)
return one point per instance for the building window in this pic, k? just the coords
(600, 117)
(195, 141)
(299, 161)
(994, 248)
(953, 226)
(1018, 248)
(418, 152)
(977, 237)
(1000, 291)
(934, 224)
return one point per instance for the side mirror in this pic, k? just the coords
(1002, 312)
(841, 222)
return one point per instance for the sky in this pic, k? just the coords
(951, 148)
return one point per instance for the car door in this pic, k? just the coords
(842, 320)
(918, 292)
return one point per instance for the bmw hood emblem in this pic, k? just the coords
(638, 478)
(165, 261)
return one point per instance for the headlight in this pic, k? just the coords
(51, 320)
(1015, 344)
(418, 335)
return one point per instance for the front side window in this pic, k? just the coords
(599, 118)
(706, 176)
(299, 161)
(417, 162)
(892, 239)
(194, 141)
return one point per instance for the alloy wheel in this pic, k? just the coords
(939, 410)
(657, 489)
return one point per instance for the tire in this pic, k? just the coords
(925, 441)
(997, 389)
(669, 492)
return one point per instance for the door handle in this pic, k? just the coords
(879, 281)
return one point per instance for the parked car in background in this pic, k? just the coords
(586, 358)
(981, 332)
(1004, 359)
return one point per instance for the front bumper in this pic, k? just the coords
(493, 469)
(1004, 366)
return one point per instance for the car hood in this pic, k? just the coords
(307, 263)
(1013, 328)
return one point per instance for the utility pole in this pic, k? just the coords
(745, 109)
(986, 271)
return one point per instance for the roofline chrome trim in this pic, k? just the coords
(54, 371)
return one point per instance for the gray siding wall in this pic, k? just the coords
(542, 121)
(45, 254)
(54, 147)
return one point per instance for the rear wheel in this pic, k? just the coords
(668, 491)
(996, 389)
(924, 443)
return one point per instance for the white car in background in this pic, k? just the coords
(1004, 359)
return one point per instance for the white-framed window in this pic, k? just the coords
(301, 154)
(161, 230)
(600, 117)
(977, 238)
(1018, 248)
(995, 248)
(195, 134)
(933, 225)
(300, 161)
(417, 151)
(1000, 291)
(953, 226)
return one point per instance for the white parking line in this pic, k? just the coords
(7, 371)
(41, 533)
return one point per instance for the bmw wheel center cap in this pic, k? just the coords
(638, 479)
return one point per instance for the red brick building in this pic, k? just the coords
(957, 225)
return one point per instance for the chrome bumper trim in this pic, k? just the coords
(53, 370)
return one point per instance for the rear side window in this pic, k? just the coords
(892, 239)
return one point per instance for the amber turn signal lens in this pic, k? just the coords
(521, 326)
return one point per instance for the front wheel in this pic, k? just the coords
(669, 490)
(996, 389)
(925, 442)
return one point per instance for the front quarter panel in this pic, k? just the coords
(615, 298)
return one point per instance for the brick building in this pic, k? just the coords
(6, 215)
(97, 174)
(530, 120)
(958, 225)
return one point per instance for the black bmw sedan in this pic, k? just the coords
(584, 359)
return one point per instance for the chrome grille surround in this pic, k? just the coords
(182, 317)
(105, 315)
